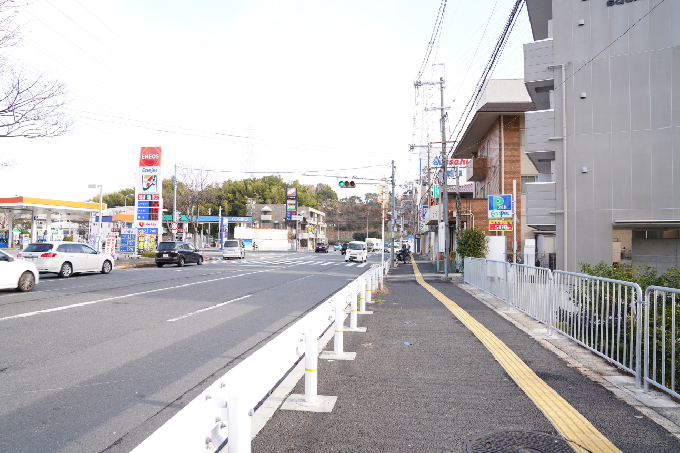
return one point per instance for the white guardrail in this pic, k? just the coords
(612, 318)
(224, 410)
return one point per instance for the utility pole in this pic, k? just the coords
(174, 204)
(445, 194)
(393, 221)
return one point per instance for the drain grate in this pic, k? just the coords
(515, 441)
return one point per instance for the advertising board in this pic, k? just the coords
(148, 200)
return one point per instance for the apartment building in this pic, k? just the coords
(606, 131)
(494, 140)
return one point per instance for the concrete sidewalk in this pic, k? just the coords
(422, 381)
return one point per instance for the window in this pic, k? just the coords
(488, 189)
(38, 248)
(522, 138)
(482, 152)
(481, 192)
(525, 180)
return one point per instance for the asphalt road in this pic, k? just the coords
(98, 362)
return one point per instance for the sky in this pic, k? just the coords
(313, 90)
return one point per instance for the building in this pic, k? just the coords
(494, 140)
(305, 234)
(605, 135)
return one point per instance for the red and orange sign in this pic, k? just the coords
(500, 225)
(150, 156)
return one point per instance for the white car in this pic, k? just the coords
(234, 248)
(18, 274)
(356, 250)
(66, 258)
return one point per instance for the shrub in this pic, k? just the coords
(148, 254)
(473, 243)
(68, 239)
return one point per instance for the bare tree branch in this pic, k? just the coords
(195, 188)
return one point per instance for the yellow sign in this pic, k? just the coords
(500, 225)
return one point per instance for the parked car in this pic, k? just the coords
(177, 252)
(343, 250)
(17, 274)
(66, 258)
(356, 251)
(234, 248)
(321, 248)
(337, 247)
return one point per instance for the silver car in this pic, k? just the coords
(66, 258)
(234, 248)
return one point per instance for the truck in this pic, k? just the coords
(373, 244)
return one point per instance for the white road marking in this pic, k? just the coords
(350, 264)
(83, 304)
(362, 265)
(209, 308)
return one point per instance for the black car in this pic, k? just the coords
(179, 253)
(344, 248)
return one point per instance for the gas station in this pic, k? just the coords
(37, 207)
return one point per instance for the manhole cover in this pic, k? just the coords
(516, 442)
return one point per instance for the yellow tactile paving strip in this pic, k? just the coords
(567, 420)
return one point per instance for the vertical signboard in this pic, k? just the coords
(148, 198)
(291, 200)
(128, 240)
(500, 213)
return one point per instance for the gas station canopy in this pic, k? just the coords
(18, 205)
(21, 205)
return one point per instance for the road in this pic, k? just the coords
(97, 362)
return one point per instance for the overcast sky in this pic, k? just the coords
(318, 86)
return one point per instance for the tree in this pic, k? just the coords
(195, 188)
(30, 103)
(115, 199)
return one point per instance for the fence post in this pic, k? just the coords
(645, 379)
(638, 342)
(239, 424)
(353, 310)
(311, 364)
(369, 286)
(507, 286)
(362, 293)
(552, 290)
(337, 341)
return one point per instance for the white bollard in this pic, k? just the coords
(339, 316)
(362, 294)
(353, 310)
(239, 425)
(311, 364)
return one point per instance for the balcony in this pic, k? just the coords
(538, 78)
(541, 201)
(540, 139)
(477, 169)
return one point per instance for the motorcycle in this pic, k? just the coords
(403, 256)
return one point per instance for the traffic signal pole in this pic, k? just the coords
(445, 194)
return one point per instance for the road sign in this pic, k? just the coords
(500, 225)
(500, 202)
(296, 217)
(174, 226)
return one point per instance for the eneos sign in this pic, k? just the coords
(150, 157)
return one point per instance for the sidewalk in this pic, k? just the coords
(423, 381)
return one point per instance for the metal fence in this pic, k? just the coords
(660, 337)
(612, 318)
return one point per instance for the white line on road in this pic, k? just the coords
(362, 265)
(350, 264)
(83, 304)
(209, 308)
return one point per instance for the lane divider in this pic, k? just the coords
(568, 421)
(208, 308)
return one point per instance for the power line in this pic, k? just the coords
(435, 32)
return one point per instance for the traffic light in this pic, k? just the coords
(347, 184)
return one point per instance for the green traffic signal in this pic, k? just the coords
(347, 184)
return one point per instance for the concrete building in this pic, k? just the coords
(308, 232)
(606, 130)
(494, 140)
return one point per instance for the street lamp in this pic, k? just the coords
(99, 229)
(126, 199)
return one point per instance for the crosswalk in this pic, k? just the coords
(283, 262)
